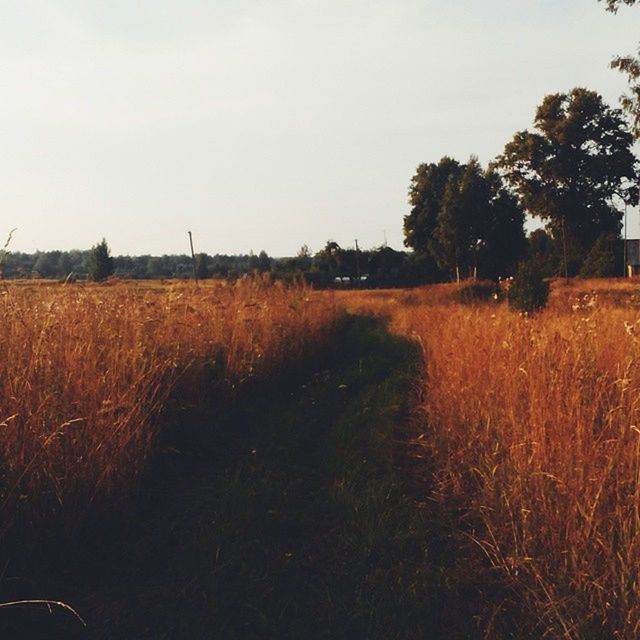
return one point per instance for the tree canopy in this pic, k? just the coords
(614, 5)
(576, 171)
(101, 262)
(464, 218)
(629, 65)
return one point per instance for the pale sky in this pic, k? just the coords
(268, 124)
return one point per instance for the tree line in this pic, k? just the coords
(333, 265)
(576, 172)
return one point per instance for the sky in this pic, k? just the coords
(269, 124)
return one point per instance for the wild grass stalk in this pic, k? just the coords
(87, 370)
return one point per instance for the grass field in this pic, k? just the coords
(281, 486)
(88, 372)
(533, 426)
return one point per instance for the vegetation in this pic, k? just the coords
(629, 65)
(574, 171)
(528, 291)
(80, 408)
(464, 219)
(530, 426)
(100, 262)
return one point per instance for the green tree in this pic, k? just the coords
(470, 224)
(264, 262)
(544, 252)
(464, 209)
(100, 262)
(503, 241)
(574, 171)
(605, 258)
(426, 194)
(202, 272)
(629, 65)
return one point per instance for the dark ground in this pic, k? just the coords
(301, 514)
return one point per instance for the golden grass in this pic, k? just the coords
(86, 371)
(534, 426)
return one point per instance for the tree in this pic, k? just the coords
(543, 251)
(574, 171)
(630, 65)
(464, 210)
(264, 262)
(100, 262)
(613, 5)
(464, 219)
(426, 194)
(202, 272)
(503, 241)
(605, 258)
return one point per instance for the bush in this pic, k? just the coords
(529, 291)
(477, 292)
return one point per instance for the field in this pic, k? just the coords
(420, 452)
(532, 424)
(87, 374)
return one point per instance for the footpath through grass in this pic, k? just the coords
(296, 518)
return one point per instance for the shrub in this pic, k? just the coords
(477, 291)
(529, 291)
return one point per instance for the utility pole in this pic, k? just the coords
(193, 258)
(357, 263)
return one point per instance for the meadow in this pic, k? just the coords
(529, 426)
(88, 374)
(533, 427)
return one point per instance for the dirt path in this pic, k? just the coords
(293, 518)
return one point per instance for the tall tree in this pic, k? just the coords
(426, 193)
(465, 219)
(464, 211)
(101, 262)
(575, 171)
(629, 65)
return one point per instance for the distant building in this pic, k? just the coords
(633, 258)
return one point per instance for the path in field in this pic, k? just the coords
(297, 519)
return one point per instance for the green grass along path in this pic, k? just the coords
(299, 520)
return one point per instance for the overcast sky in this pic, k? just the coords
(268, 124)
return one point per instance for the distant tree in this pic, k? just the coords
(264, 262)
(100, 262)
(202, 272)
(465, 219)
(426, 194)
(455, 242)
(574, 171)
(543, 251)
(604, 260)
(502, 237)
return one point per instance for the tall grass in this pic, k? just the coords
(534, 427)
(87, 370)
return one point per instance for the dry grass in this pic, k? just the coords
(86, 371)
(534, 425)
